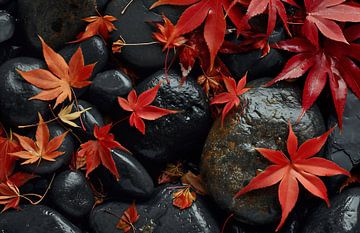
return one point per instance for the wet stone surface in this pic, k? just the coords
(39, 219)
(134, 182)
(342, 217)
(173, 136)
(7, 26)
(105, 89)
(15, 107)
(229, 160)
(71, 194)
(58, 22)
(156, 215)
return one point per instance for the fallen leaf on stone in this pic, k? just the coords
(98, 151)
(231, 97)
(164, 36)
(184, 197)
(299, 167)
(62, 77)
(98, 25)
(141, 108)
(66, 116)
(127, 220)
(42, 148)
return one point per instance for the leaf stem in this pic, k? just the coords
(34, 125)
(226, 222)
(140, 44)
(127, 6)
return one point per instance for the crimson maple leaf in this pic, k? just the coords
(127, 220)
(141, 108)
(299, 167)
(98, 25)
(99, 150)
(59, 81)
(42, 148)
(321, 14)
(164, 35)
(212, 12)
(275, 7)
(231, 97)
(7, 162)
(333, 61)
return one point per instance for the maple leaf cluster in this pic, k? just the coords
(323, 32)
(28, 151)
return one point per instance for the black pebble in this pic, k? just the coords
(71, 194)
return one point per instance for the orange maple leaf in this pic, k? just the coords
(62, 77)
(42, 148)
(165, 35)
(98, 25)
(127, 220)
(183, 198)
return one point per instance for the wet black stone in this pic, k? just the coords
(8, 51)
(101, 3)
(94, 51)
(58, 22)
(176, 135)
(342, 217)
(71, 194)
(252, 62)
(39, 219)
(157, 215)
(134, 181)
(134, 27)
(105, 89)
(7, 26)
(47, 167)
(89, 119)
(15, 106)
(344, 147)
(229, 160)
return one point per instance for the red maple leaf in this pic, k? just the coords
(299, 167)
(141, 108)
(58, 83)
(321, 14)
(165, 34)
(9, 190)
(7, 162)
(275, 7)
(212, 12)
(99, 150)
(98, 25)
(333, 61)
(127, 220)
(231, 97)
